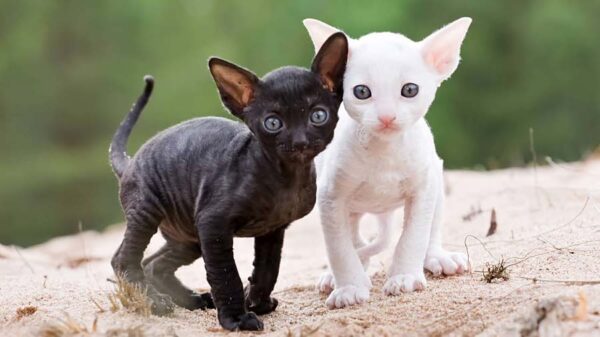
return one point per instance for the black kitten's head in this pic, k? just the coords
(292, 111)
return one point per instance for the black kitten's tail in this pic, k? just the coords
(117, 151)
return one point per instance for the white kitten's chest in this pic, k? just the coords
(384, 187)
(381, 193)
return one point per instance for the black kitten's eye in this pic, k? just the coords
(362, 91)
(273, 124)
(319, 117)
(410, 90)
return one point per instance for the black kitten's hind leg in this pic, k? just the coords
(141, 226)
(160, 268)
(267, 256)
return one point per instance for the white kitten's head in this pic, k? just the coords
(390, 80)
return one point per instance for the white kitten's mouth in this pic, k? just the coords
(387, 128)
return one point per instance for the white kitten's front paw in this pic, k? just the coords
(326, 283)
(404, 283)
(449, 263)
(346, 296)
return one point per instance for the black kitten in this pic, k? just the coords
(206, 180)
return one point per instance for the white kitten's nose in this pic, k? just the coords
(386, 119)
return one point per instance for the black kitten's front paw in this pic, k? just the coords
(161, 304)
(262, 307)
(246, 321)
(199, 301)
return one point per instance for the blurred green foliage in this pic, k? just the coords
(69, 71)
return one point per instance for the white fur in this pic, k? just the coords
(367, 169)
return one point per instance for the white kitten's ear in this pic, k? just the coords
(319, 32)
(441, 50)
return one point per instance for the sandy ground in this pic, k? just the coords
(548, 230)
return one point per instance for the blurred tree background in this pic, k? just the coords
(69, 71)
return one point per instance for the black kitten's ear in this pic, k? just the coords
(330, 62)
(236, 84)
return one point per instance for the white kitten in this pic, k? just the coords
(383, 157)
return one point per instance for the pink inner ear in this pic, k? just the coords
(442, 55)
(442, 49)
(441, 62)
(246, 95)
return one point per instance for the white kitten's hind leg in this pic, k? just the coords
(326, 283)
(354, 222)
(438, 260)
(380, 243)
(441, 261)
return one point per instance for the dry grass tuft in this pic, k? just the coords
(25, 311)
(129, 296)
(496, 272)
(68, 327)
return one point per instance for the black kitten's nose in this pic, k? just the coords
(299, 142)
(300, 147)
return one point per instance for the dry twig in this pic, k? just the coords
(493, 224)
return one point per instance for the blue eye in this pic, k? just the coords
(410, 90)
(362, 91)
(273, 124)
(319, 117)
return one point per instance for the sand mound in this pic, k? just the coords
(548, 234)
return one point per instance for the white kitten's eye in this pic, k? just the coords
(273, 124)
(362, 91)
(319, 117)
(410, 90)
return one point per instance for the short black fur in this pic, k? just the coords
(206, 180)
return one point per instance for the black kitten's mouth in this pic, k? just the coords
(302, 155)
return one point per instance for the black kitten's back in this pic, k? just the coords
(203, 132)
(200, 138)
